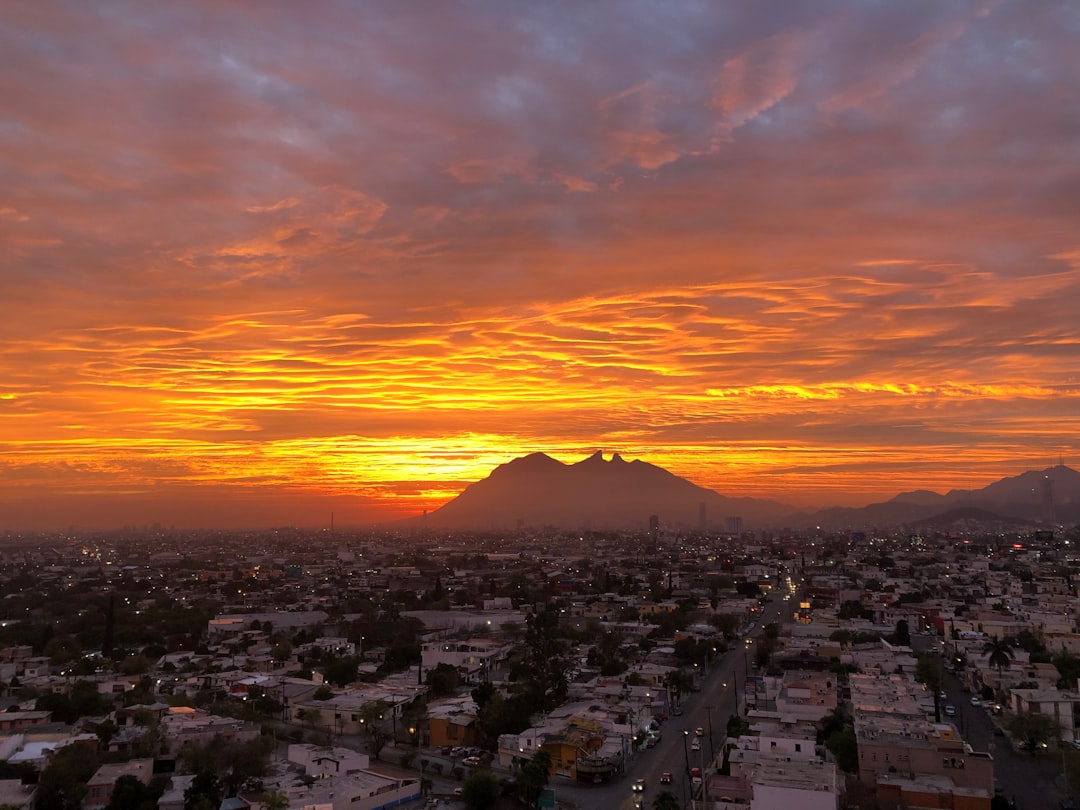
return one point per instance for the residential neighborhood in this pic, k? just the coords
(347, 671)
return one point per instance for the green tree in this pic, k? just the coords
(275, 800)
(373, 717)
(902, 636)
(481, 790)
(999, 653)
(844, 747)
(204, 792)
(309, 716)
(544, 661)
(680, 682)
(1068, 667)
(666, 800)
(482, 694)
(444, 679)
(62, 784)
(1034, 728)
(129, 793)
(533, 778)
(928, 672)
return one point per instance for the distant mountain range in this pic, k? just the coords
(1036, 497)
(537, 490)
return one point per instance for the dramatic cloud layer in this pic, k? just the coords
(263, 261)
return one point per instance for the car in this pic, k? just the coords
(695, 745)
(943, 695)
(975, 700)
(665, 778)
(950, 710)
(677, 711)
(699, 732)
(651, 742)
(639, 786)
(471, 761)
(1076, 744)
(695, 776)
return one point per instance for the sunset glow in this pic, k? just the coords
(260, 263)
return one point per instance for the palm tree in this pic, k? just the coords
(1000, 653)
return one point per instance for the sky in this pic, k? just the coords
(261, 262)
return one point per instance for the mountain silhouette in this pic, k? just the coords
(537, 490)
(1036, 497)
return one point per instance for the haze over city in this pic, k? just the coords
(265, 262)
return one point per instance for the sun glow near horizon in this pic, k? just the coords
(242, 288)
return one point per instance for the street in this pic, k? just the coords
(707, 709)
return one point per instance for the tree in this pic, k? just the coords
(1068, 666)
(275, 800)
(680, 681)
(666, 800)
(444, 679)
(482, 694)
(928, 672)
(533, 778)
(1035, 729)
(372, 716)
(844, 747)
(62, 784)
(1000, 653)
(309, 716)
(129, 793)
(544, 663)
(341, 671)
(481, 790)
(204, 792)
(902, 636)
(737, 726)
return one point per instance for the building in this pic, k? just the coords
(99, 789)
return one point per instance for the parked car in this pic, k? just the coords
(471, 761)
(950, 710)
(975, 700)
(695, 745)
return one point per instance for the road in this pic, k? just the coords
(708, 709)
(1034, 780)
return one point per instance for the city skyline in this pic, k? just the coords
(266, 263)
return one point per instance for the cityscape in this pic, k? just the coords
(486, 404)
(338, 668)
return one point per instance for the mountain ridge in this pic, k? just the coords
(538, 490)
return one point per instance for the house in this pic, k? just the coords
(99, 789)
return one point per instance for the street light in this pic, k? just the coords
(686, 756)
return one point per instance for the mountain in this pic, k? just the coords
(1031, 498)
(537, 490)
